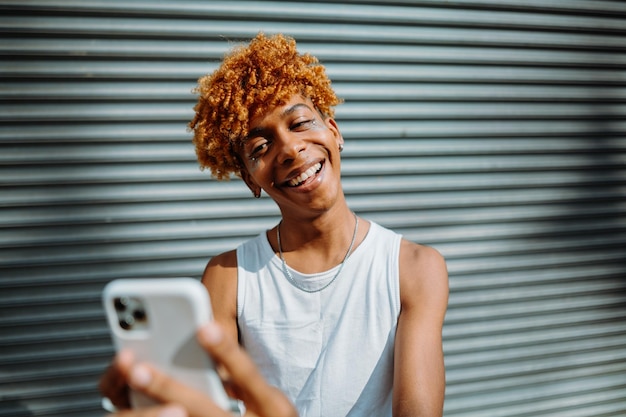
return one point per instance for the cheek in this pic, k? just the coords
(253, 165)
(318, 125)
(258, 171)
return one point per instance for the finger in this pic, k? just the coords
(171, 410)
(227, 353)
(148, 380)
(259, 397)
(114, 382)
(224, 375)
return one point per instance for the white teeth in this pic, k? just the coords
(306, 174)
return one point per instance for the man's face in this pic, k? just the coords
(292, 153)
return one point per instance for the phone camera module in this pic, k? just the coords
(131, 313)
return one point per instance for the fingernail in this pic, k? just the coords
(140, 376)
(173, 411)
(211, 333)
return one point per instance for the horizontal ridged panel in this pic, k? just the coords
(492, 130)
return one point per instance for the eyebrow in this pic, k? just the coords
(289, 110)
(293, 108)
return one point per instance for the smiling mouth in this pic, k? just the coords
(305, 175)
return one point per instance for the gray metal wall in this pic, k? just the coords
(490, 129)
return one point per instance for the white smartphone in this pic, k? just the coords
(157, 319)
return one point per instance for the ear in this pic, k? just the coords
(331, 124)
(253, 186)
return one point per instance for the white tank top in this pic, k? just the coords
(330, 351)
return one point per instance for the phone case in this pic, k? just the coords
(157, 319)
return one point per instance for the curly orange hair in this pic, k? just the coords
(251, 80)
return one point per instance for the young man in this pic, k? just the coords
(339, 313)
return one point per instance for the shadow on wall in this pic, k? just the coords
(595, 215)
(13, 407)
(606, 191)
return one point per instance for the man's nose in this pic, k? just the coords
(290, 147)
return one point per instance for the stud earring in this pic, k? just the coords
(340, 147)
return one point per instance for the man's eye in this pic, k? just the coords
(257, 151)
(303, 125)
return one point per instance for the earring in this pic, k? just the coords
(340, 147)
(257, 194)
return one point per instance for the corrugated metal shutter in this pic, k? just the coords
(492, 130)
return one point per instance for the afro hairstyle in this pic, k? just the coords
(251, 80)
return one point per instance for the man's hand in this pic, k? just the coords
(244, 380)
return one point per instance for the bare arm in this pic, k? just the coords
(419, 376)
(220, 279)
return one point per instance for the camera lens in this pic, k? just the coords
(127, 322)
(139, 314)
(121, 303)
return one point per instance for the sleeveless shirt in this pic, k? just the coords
(330, 351)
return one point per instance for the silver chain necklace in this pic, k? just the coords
(291, 278)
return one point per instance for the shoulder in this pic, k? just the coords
(221, 271)
(423, 276)
(225, 260)
(413, 255)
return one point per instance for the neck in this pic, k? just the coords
(325, 227)
(295, 282)
(318, 244)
